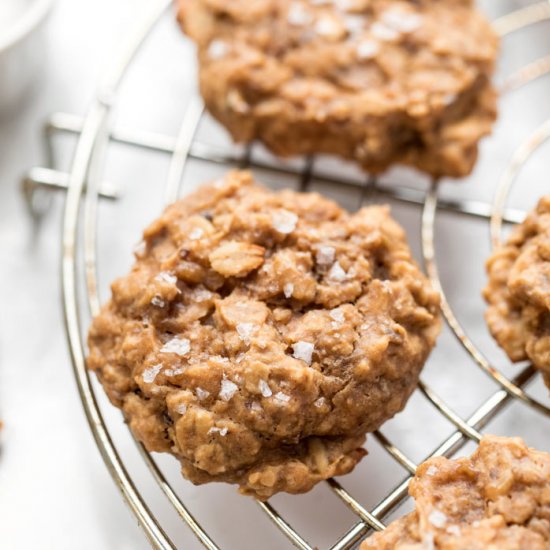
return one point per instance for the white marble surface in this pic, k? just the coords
(54, 489)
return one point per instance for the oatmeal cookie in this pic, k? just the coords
(375, 81)
(260, 335)
(518, 292)
(497, 499)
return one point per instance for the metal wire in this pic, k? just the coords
(84, 187)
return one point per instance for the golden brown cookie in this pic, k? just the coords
(518, 292)
(375, 81)
(260, 335)
(497, 499)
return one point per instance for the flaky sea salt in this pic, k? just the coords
(383, 32)
(298, 15)
(284, 221)
(165, 277)
(337, 314)
(201, 295)
(402, 21)
(336, 273)
(196, 233)
(320, 402)
(245, 330)
(325, 255)
(255, 406)
(281, 397)
(202, 394)
(158, 301)
(327, 26)
(222, 431)
(288, 290)
(303, 351)
(431, 471)
(179, 346)
(217, 49)
(454, 530)
(367, 49)
(181, 408)
(150, 373)
(264, 388)
(173, 372)
(437, 518)
(227, 390)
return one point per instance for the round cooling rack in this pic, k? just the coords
(84, 190)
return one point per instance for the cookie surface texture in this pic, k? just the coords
(518, 291)
(379, 82)
(497, 499)
(261, 334)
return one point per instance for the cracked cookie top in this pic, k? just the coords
(264, 333)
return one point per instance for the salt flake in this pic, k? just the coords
(336, 273)
(196, 233)
(228, 389)
(245, 330)
(298, 15)
(383, 32)
(217, 49)
(402, 21)
(288, 290)
(367, 49)
(281, 397)
(284, 221)
(165, 277)
(303, 351)
(437, 518)
(179, 346)
(201, 295)
(158, 301)
(202, 394)
(181, 408)
(327, 26)
(221, 431)
(150, 373)
(320, 402)
(325, 255)
(431, 471)
(265, 390)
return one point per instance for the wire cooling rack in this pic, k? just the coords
(84, 190)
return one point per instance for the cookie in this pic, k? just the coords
(379, 82)
(260, 335)
(497, 499)
(518, 291)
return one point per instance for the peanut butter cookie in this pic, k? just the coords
(518, 292)
(260, 335)
(375, 81)
(497, 499)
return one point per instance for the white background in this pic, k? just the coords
(54, 489)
